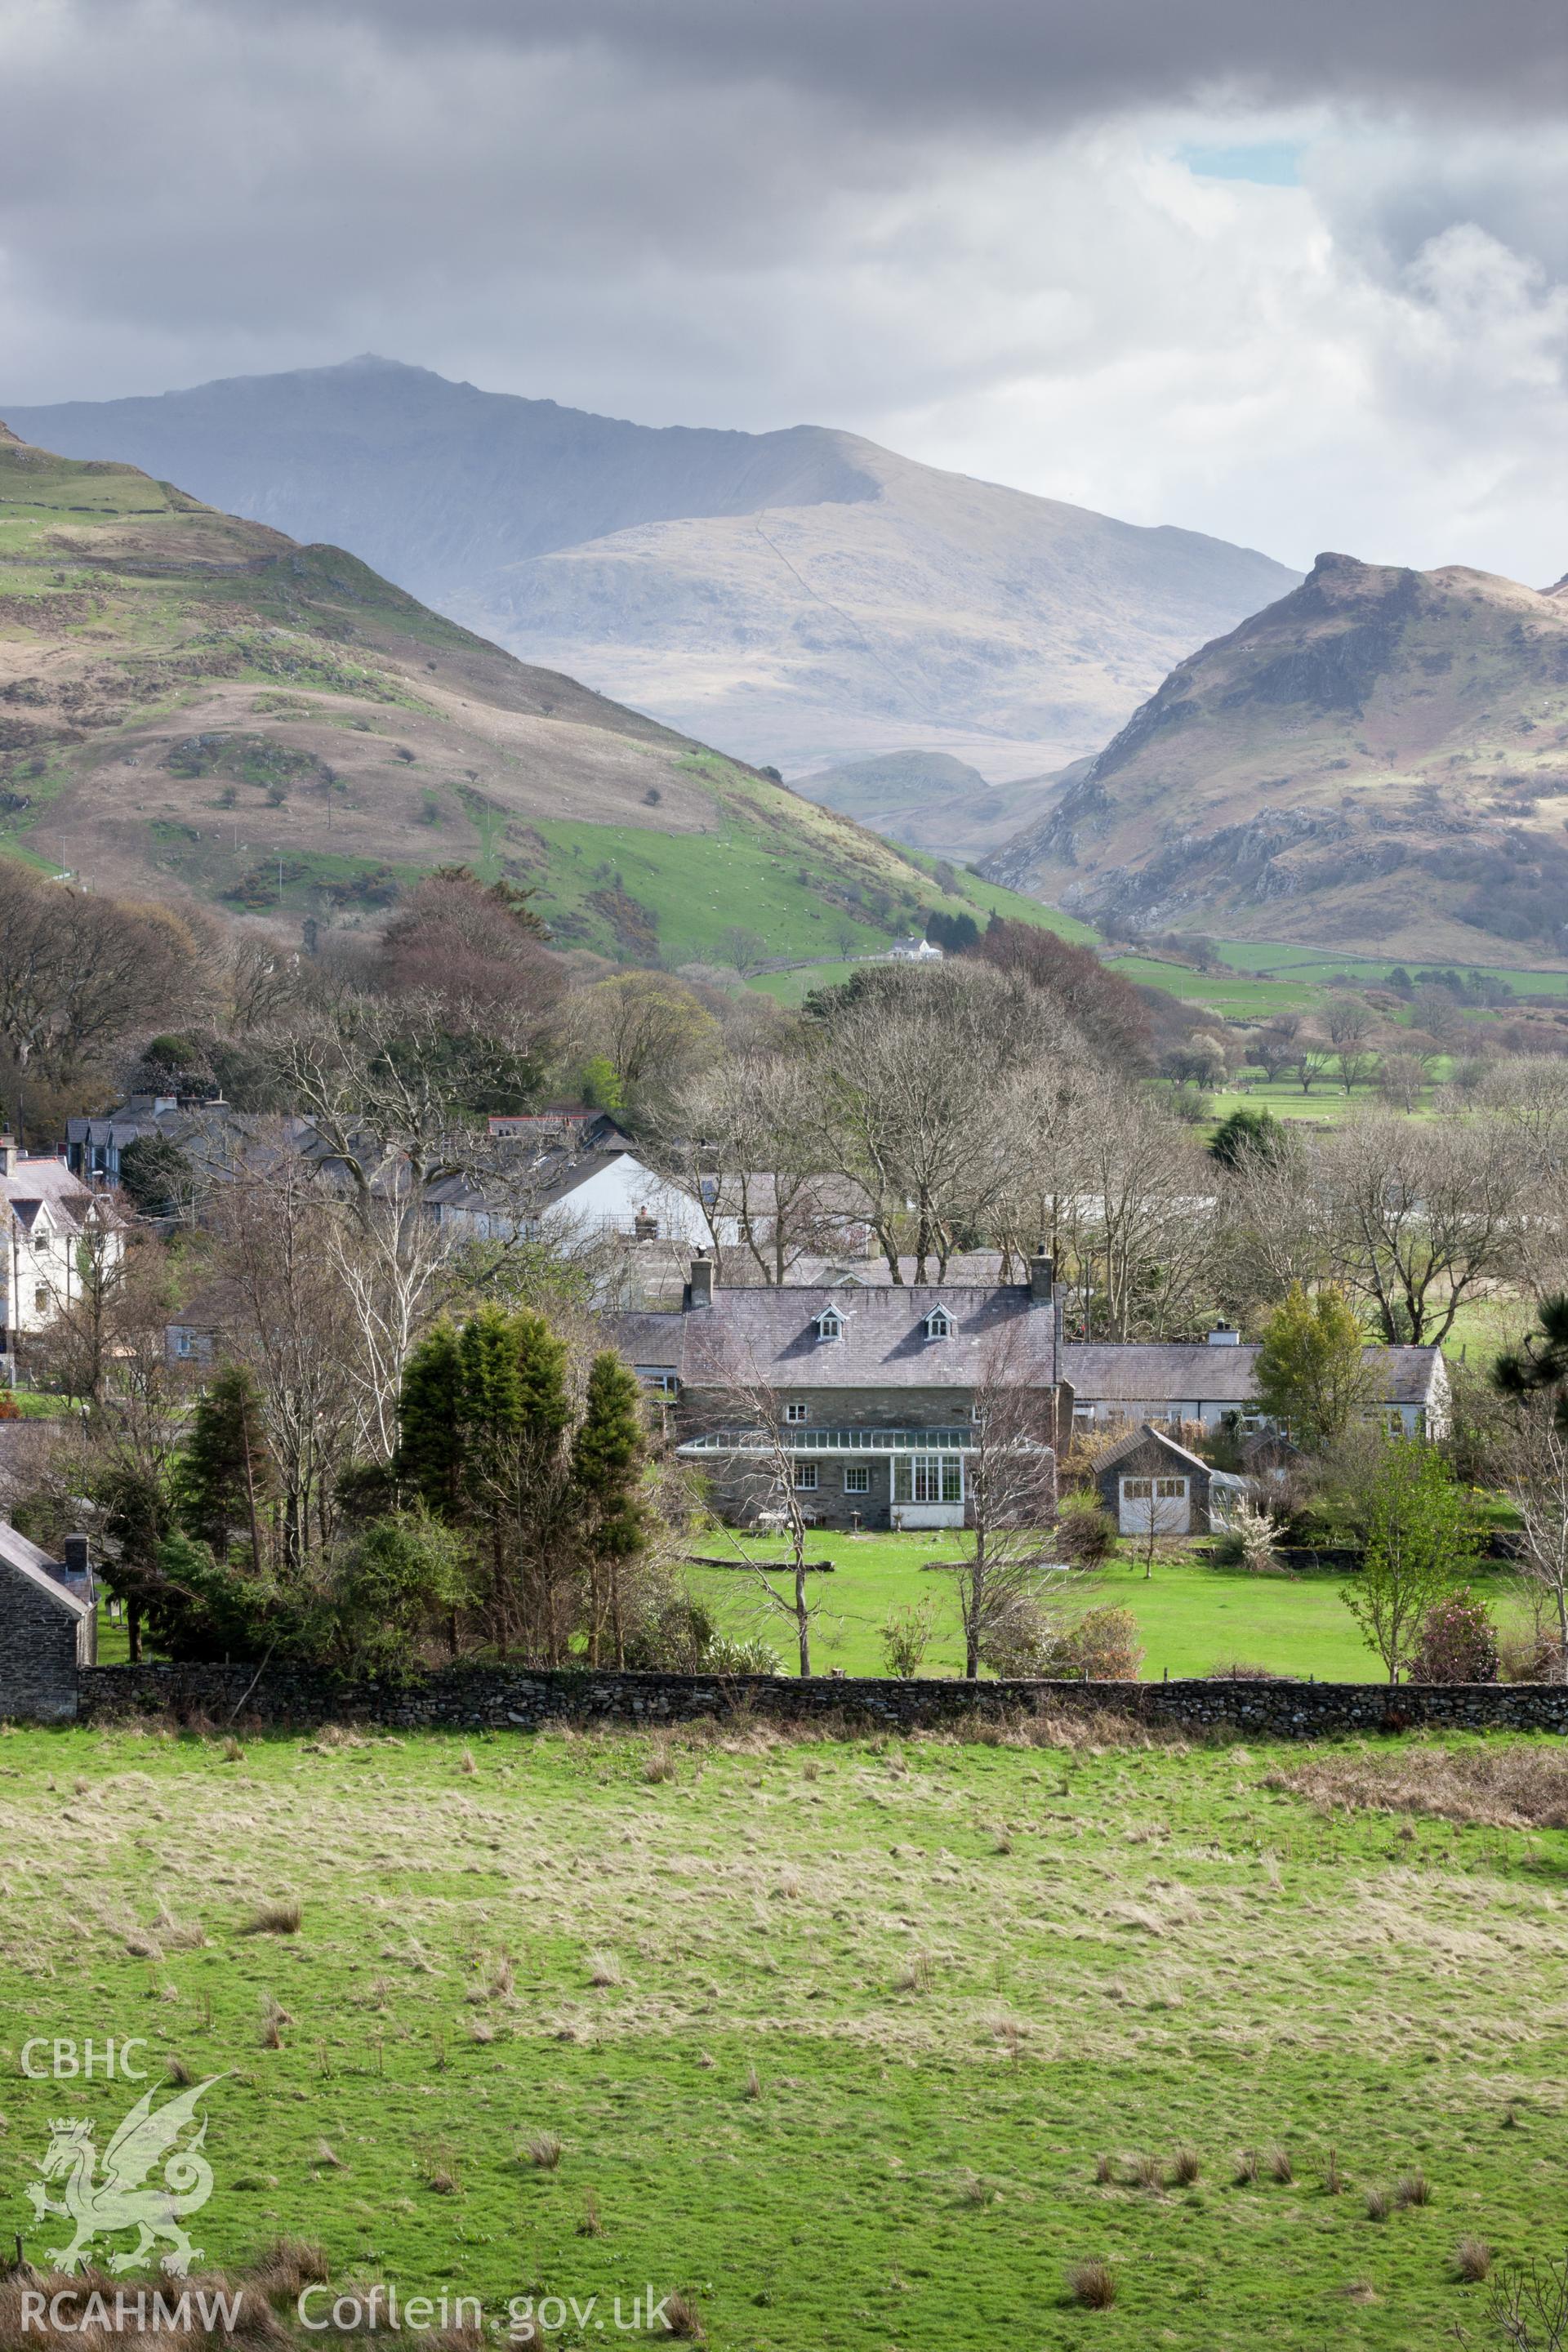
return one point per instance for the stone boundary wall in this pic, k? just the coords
(525, 1699)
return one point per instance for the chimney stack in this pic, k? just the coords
(1042, 1278)
(75, 1558)
(7, 1155)
(701, 1279)
(1225, 1335)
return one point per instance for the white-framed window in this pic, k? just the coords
(40, 1299)
(795, 1412)
(1170, 1490)
(661, 1383)
(938, 1324)
(184, 1345)
(928, 1479)
(857, 1479)
(830, 1324)
(805, 1478)
(1138, 1490)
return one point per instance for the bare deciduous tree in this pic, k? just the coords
(917, 1075)
(1420, 1218)
(1349, 1024)
(744, 1142)
(757, 1466)
(1004, 1579)
(1146, 1228)
(79, 972)
(1535, 1456)
(294, 1328)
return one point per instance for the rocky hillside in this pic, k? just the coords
(1380, 760)
(801, 597)
(196, 705)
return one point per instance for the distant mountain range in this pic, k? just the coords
(1378, 760)
(803, 598)
(195, 707)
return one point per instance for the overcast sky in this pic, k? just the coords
(1294, 275)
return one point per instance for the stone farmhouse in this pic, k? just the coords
(869, 1391)
(48, 1217)
(1177, 1380)
(49, 1626)
(868, 1395)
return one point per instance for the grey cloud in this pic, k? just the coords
(1043, 61)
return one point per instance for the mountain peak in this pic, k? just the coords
(1379, 759)
(800, 596)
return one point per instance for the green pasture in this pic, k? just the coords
(1192, 1615)
(857, 2044)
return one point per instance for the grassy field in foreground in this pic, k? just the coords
(1192, 1617)
(831, 2034)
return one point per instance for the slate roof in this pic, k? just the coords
(1136, 1438)
(769, 1337)
(27, 1560)
(34, 1183)
(1137, 1372)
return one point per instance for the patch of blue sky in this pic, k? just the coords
(1271, 162)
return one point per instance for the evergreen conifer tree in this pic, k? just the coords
(607, 1458)
(227, 1474)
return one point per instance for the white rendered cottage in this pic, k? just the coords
(51, 1225)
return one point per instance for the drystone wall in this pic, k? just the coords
(521, 1698)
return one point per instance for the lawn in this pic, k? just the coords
(833, 2035)
(1191, 1616)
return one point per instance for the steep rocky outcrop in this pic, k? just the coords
(1379, 759)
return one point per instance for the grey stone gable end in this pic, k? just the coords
(47, 1634)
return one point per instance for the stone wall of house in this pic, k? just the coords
(38, 1642)
(523, 1699)
(880, 1408)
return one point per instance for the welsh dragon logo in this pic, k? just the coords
(100, 2203)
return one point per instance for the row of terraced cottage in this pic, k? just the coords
(871, 1399)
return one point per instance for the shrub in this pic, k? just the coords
(1148, 2172)
(1458, 1641)
(1186, 2167)
(1248, 1541)
(1533, 1657)
(906, 1637)
(1103, 1644)
(1413, 2189)
(1020, 1642)
(1085, 1532)
(1092, 2284)
(1473, 2260)
(544, 2152)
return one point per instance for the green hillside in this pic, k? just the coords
(193, 706)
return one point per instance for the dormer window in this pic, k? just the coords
(830, 1324)
(938, 1324)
